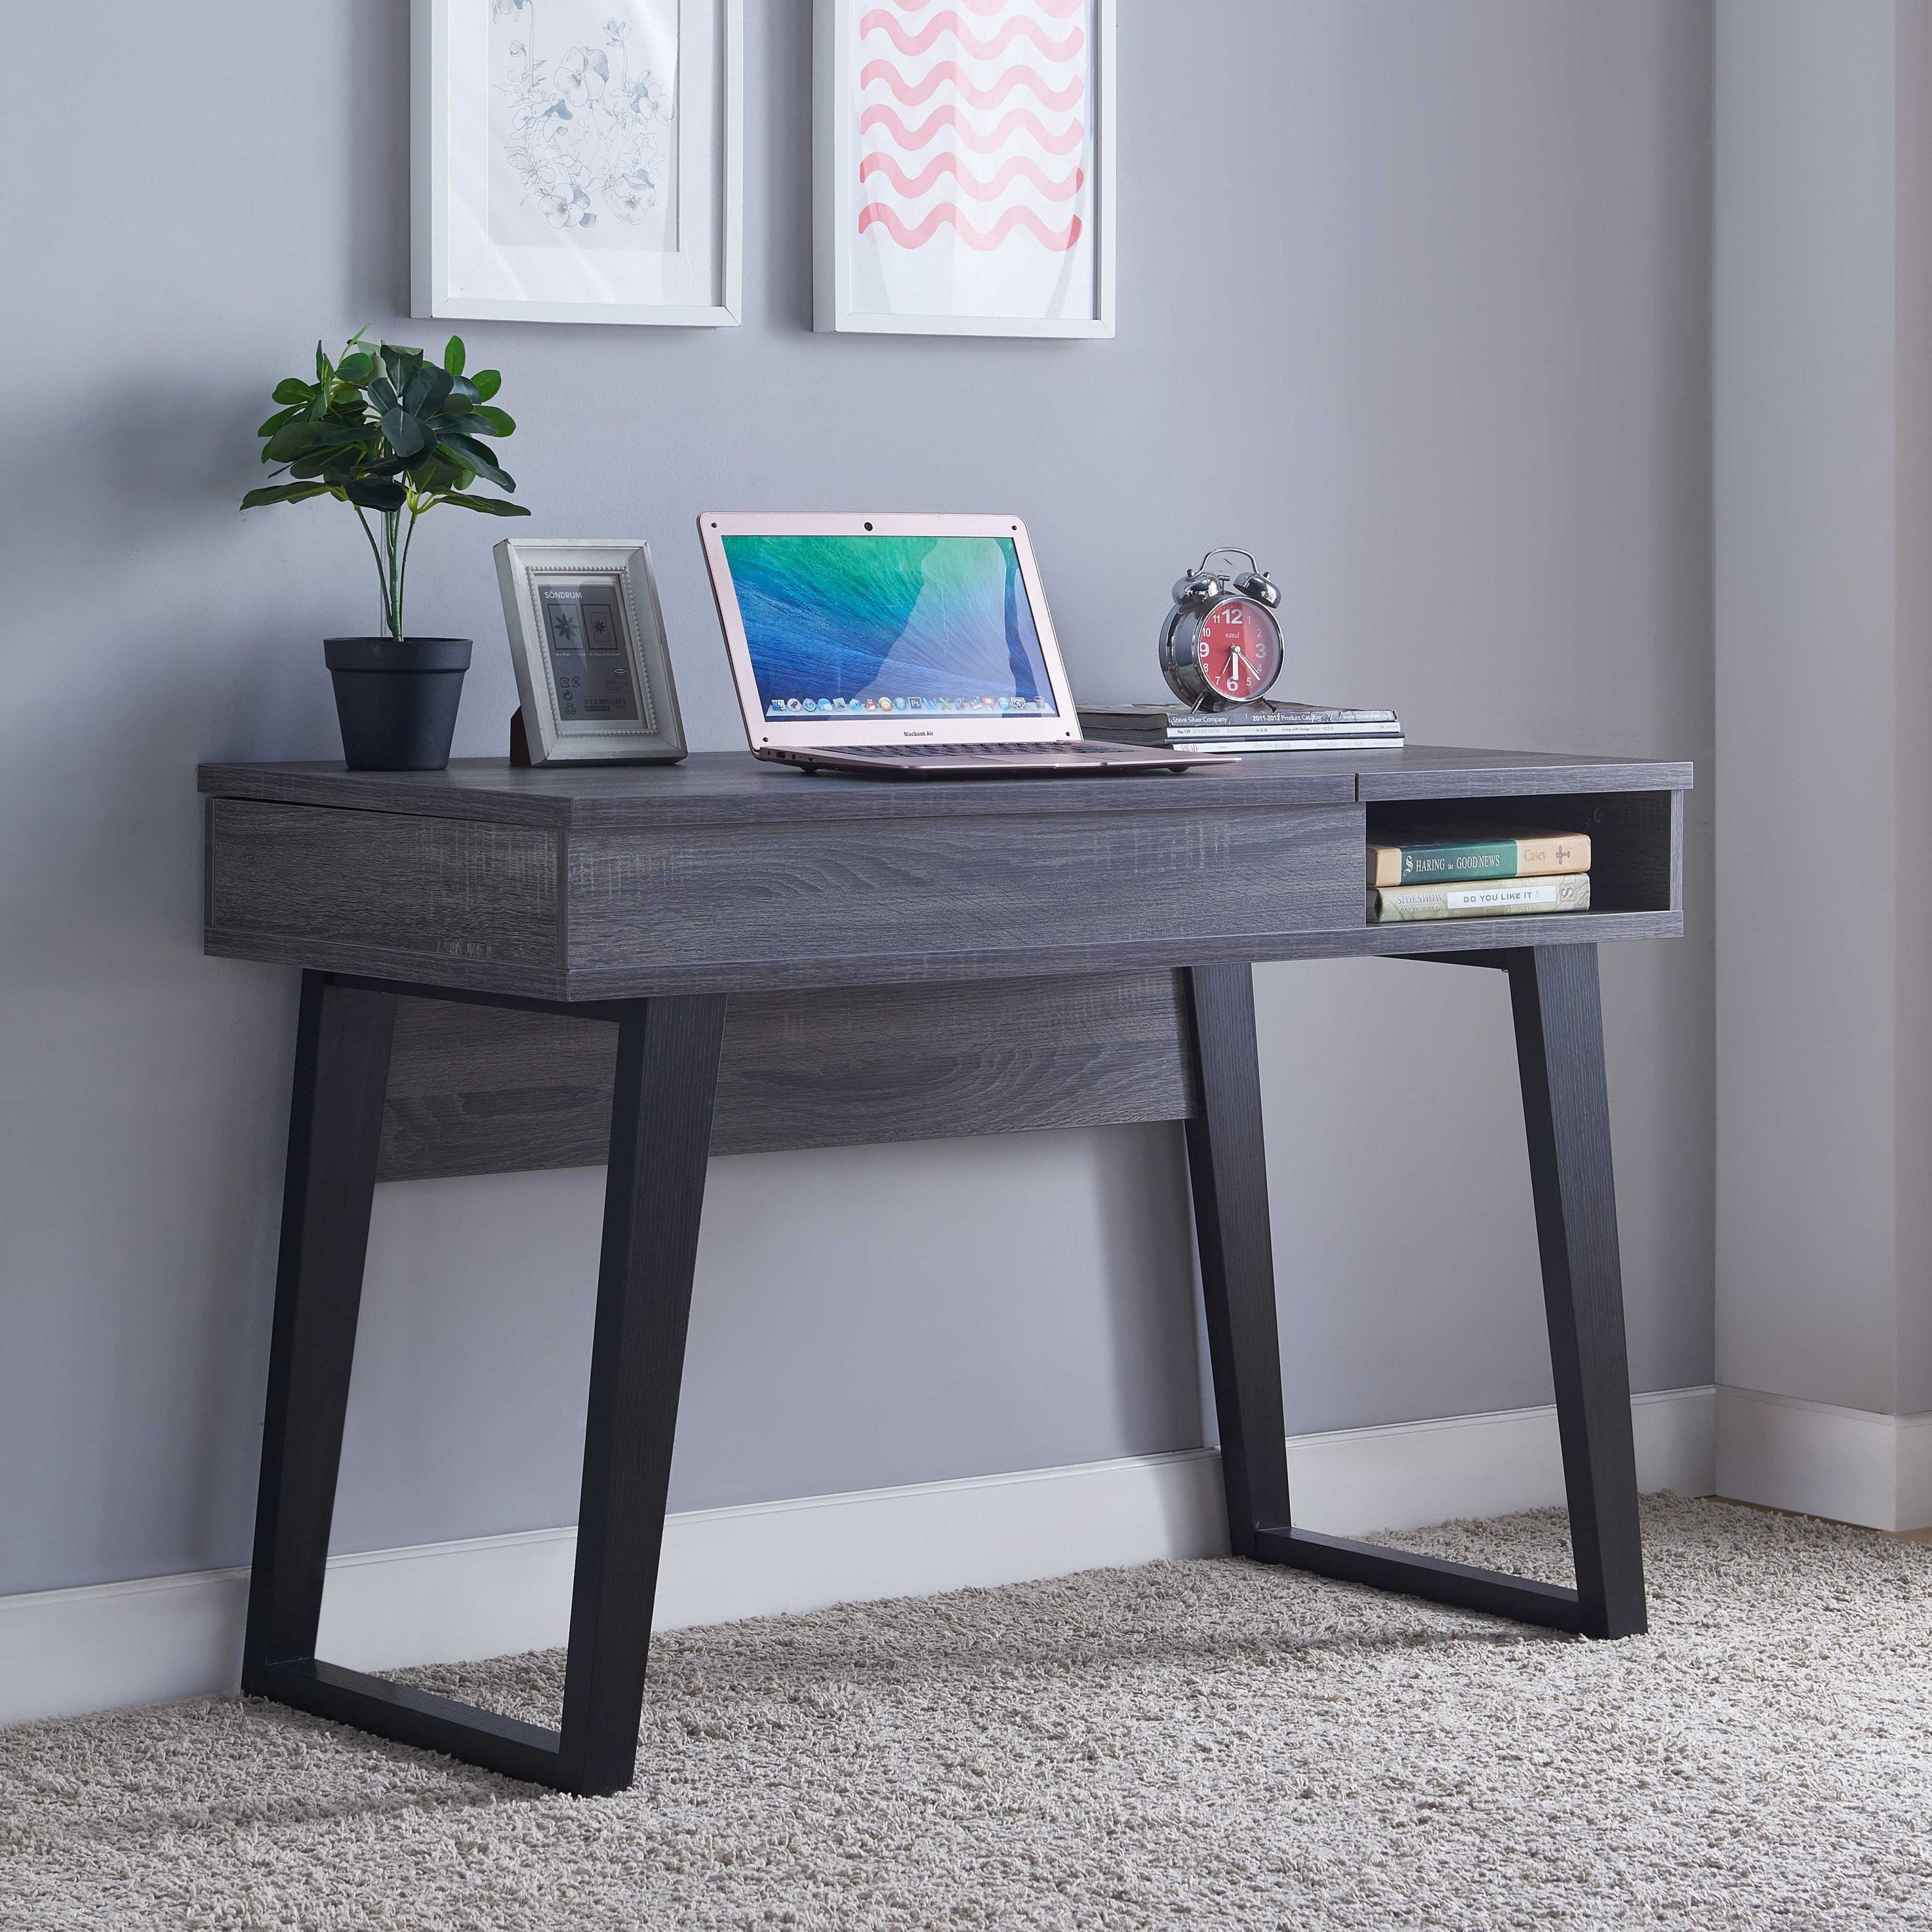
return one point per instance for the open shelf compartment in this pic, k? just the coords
(1636, 837)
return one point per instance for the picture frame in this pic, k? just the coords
(581, 163)
(964, 169)
(587, 643)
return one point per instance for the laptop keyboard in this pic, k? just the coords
(1074, 748)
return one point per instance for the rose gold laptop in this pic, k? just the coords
(906, 647)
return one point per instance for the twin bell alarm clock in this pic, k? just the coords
(1220, 646)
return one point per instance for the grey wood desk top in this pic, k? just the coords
(724, 873)
(714, 787)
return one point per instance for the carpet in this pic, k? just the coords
(1197, 1744)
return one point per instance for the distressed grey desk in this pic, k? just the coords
(640, 968)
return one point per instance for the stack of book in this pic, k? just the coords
(1262, 727)
(1478, 871)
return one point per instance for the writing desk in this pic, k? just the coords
(641, 967)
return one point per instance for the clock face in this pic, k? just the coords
(1238, 648)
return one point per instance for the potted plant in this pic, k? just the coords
(386, 429)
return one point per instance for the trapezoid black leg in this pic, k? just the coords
(335, 1128)
(1560, 1043)
(654, 1195)
(1559, 1037)
(1227, 1168)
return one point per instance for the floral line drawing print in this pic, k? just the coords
(587, 135)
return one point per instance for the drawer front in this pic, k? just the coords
(375, 891)
(793, 894)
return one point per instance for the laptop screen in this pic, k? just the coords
(864, 625)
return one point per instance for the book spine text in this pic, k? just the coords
(1559, 892)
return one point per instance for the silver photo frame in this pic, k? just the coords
(587, 643)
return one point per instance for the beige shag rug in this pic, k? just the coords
(1207, 1744)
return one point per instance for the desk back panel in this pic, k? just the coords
(491, 1090)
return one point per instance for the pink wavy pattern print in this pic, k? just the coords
(879, 21)
(1062, 188)
(1058, 10)
(987, 142)
(918, 177)
(915, 94)
(877, 211)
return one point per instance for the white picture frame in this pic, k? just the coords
(573, 713)
(1021, 161)
(497, 229)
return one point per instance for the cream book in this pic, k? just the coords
(1562, 892)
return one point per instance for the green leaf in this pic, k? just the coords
(283, 493)
(463, 391)
(291, 440)
(400, 365)
(275, 422)
(356, 369)
(462, 449)
(490, 506)
(382, 393)
(405, 434)
(501, 422)
(376, 496)
(428, 390)
(291, 389)
(301, 437)
(452, 356)
(478, 424)
(488, 382)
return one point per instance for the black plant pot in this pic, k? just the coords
(396, 699)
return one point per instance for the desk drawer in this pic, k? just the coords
(377, 891)
(720, 895)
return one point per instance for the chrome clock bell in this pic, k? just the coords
(1220, 646)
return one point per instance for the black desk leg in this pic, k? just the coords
(1559, 1044)
(1559, 1049)
(660, 1143)
(654, 1194)
(335, 1126)
(1227, 1167)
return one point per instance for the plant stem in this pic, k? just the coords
(395, 582)
(382, 578)
(403, 572)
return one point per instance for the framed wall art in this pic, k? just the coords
(577, 161)
(965, 166)
(587, 641)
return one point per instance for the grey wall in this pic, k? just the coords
(1822, 411)
(1413, 300)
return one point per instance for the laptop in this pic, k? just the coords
(902, 646)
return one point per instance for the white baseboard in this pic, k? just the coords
(1816, 1458)
(65, 1651)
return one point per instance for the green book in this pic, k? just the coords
(1478, 852)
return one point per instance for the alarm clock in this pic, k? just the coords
(1220, 646)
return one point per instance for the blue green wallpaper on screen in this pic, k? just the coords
(848, 624)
